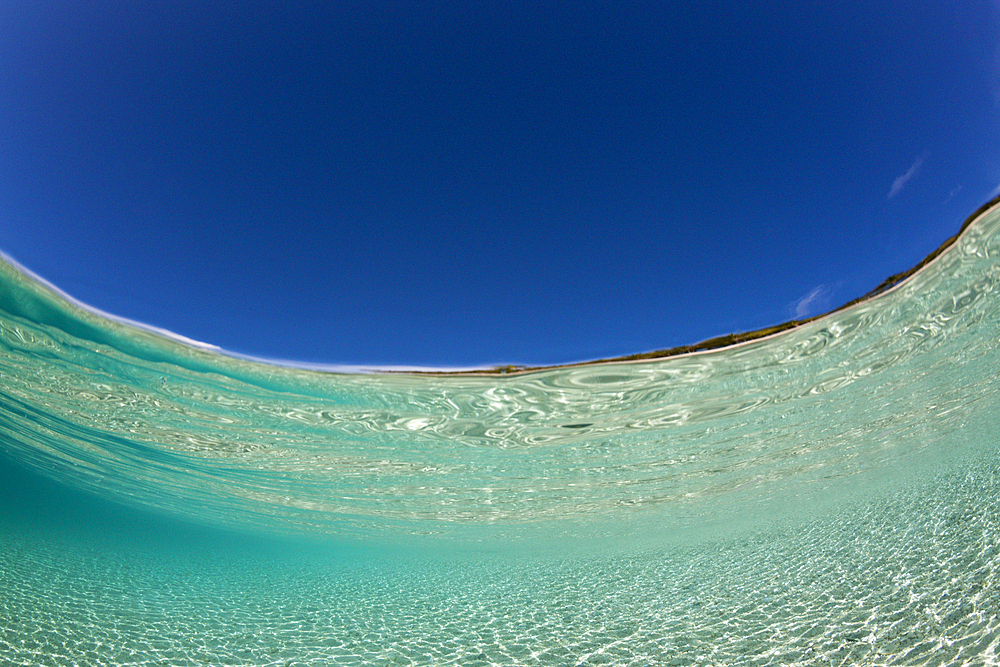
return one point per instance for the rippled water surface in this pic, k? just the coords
(826, 496)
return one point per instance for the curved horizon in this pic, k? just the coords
(714, 343)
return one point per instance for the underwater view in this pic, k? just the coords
(829, 495)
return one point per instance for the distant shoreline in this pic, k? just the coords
(729, 340)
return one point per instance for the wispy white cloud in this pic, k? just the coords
(900, 182)
(811, 303)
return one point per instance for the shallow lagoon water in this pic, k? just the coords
(827, 496)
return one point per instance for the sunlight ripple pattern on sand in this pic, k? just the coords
(864, 588)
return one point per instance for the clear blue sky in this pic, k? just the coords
(462, 183)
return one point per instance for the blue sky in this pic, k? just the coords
(466, 183)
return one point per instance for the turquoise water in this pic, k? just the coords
(827, 496)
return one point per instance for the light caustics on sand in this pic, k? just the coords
(863, 441)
